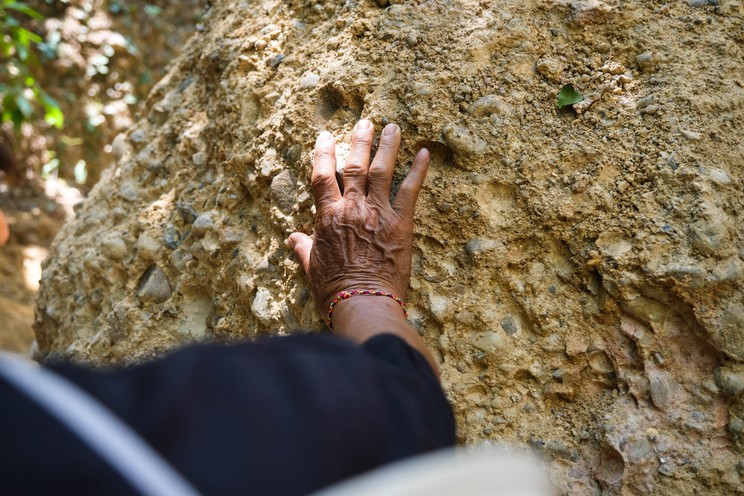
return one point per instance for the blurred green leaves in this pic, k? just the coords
(22, 98)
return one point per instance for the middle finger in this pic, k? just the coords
(357, 164)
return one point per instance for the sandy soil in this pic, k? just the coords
(578, 272)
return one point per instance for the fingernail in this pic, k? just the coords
(390, 129)
(324, 137)
(364, 124)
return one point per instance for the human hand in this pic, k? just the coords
(362, 241)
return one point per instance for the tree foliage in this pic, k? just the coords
(21, 97)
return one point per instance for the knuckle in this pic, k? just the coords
(377, 173)
(362, 138)
(321, 182)
(386, 146)
(353, 167)
(323, 153)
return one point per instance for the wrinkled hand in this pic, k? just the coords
(362, 241)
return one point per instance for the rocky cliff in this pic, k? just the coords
(577, 271)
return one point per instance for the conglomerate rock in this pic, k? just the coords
(578, 272)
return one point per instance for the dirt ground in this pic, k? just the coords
(577, 272)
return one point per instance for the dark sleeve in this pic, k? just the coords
(282, 416)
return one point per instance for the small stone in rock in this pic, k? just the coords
(128, 191)
(309, 80)
(284, 190)
(171, 237)
(147, 247)
(274, 61)
(155, 287)
(199, 158)
(509, 325)
(114, 247)
(137, 136)
(201, 225)
(260, 306)
(731, 382)
(187, 212)
(477, 246)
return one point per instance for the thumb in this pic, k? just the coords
(301, 244)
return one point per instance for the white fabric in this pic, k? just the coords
(488, 472)
(104, 433)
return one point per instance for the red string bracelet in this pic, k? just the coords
(343, 295)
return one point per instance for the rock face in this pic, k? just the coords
(578, 272)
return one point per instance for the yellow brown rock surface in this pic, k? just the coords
(578, 272)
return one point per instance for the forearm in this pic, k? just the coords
(363, 317)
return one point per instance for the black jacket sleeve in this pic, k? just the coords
(281, 416)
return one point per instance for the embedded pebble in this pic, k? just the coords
(128, 191)
(638, 450)
(309, 80)
(463, 141)
(730, 381)
(720, 177)
(260, 306)
(156, 288)
(490, 342)
(490, 104)
(119, 146)
(138, 136)
(477, 246)
(171, 237)
(736, 425)
(550, 69)
(202, 225)
(187, 212)
(645, 61)
(646, 101)
(147, 247)
(274, 61)
(114, 246)
(708, 236)
(557, 449)
(509, 324)
(661, 392)
(690, 135)
(199, 158)
(439, 306)
(284, 190)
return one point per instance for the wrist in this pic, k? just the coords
(360, 318)
(365, 316)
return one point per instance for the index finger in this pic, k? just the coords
(323, 181)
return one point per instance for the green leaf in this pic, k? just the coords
(55, 117)
(25, 36)
(23, 9)
(24, 105)
(52, 113)
(568, 96)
